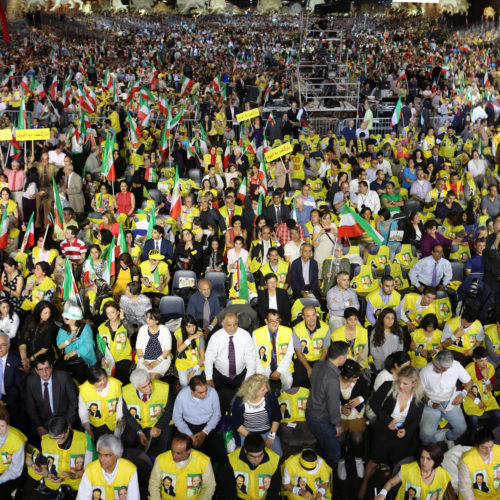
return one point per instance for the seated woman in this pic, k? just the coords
(135, 304)
(355, 335)
(133, 249)
(154, 276)
(414, 230)
(93, 267)
(354, 393)
(76, 342)
(103, 201)
(126, 272)
(190, 349)
(256, 410)
(9, 320)
(398, 408)
(188, 252)
(7, 204)
(432, 237)
(42, 252)
(423, 478)
(154, 345)
(234, 231)
(38, 287)
(125, 201)
(425, 341)
(109, 223)
(385, 224)
(12, 283)
(275, 298)
(386, 337)
(115, 333)
(392, 365)
(234, 254)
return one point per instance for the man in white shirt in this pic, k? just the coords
(384, 165)
(56, 156)
(118, 473)
(366, 198)
(292, 248)
(434, 271)
(439, 380)
(230, 357)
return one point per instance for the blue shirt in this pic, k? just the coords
(188, 408)
(84, 345)
(304, 215)
(407, 173)
(475, 264)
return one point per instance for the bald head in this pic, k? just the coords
(230, 323)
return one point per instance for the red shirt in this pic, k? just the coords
(283, 233)
(73, 250)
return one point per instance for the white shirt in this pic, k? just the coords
(10, 325)
(386, 167)
(85, 488)
(441, 386)
(398, 414)
(292, 250)
(216, 354)
(4, 364)
(370, 199)
(83, 411)
(476, 167)
(56, 159)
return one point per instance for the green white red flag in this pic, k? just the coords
(352, 225)
(175, 204)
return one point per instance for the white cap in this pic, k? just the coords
(73, 312)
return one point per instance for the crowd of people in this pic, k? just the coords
(184, 316)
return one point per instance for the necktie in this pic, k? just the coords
(274, 362)
(206, 314)
(46, 401)
(278, 215)
(434, 274)
(1, 377)
(144, 397)
(157, 245)
(232, 358)
(230, 217)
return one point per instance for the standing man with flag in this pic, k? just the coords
(73, 187)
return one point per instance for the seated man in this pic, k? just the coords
(433, 271)
(415, 307)
(304, 274)
(339, 298)
(384, 297)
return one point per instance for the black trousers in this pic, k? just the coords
(227, 387)
(158, 445)
(100, 431)
(122, 370)
(213, 446)
(8, 487)
(300, 378)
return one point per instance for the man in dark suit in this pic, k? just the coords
(302, 285)
(206, 315)
(491, 283)
(277, 212)
(249, 216)
(436, 160)
(282, 300)
(210, 216)
(12, 381)
(231, 111)
(158, 242)
(49, 392)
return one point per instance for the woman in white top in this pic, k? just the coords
(386, 337)
(9, 320)
(30, 193)
(477, 168)
(398, 408)
(234, 254)
(154, 345)
(323, 240)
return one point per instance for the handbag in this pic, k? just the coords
(369, 413)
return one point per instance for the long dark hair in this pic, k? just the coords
(35, 320)
(11, 309)
(187, 320)
(378, 331)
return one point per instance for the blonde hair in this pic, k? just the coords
(111, 217)
(411, 374)
(251, 386)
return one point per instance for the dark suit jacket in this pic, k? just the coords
(283, 306)
(249, 217)
(229, 116)
(270, 214)
(14, 379)
(491, 261)
(64, 398)
(438, 164)
(297, 278)
(166, 249)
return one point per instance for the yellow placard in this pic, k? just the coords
(247, 115)
(278, 152)
(33, 134)
(5, 134)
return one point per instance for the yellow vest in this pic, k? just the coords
(360, 342)
(491, 472)
(38, 292)
(296, 404)
(378, 304)
(263, 342)
(70, 460)
(10, 207)
(147, 412)
(124, 474)
(312, 348)
(479, 388)
(364, 282)
(255, 480)
(434, 196)
(468, 339)
(104, 407)
(147, 273)
(281, 273)
(380, 259)
(418, 336)
(409, 305)
(411, 478)
(297, 473)
(35, 255)
(224, 211)
(191, 354)
(21, 258)
(181, 480)
(405, 256)
(13, 442)
(119, 347)
(491, 332)
(297, 162)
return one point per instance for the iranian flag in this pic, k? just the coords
(396, 115)
(293, 215)
(445, 69)
(108, 162)
(121, 246)
(486, 79)
(108, 81)
(70, 288)
(266, 93)
(465, 48)
(58, 210)
(25, 83)
(151, 224)
(177, 118)
(352, 225)
(16, 147)
(29, 235)
(252, 147)
(187, 85)
(53, 88)
(66, 92)
(164, 107)
(109, 261)
(164, 143)
(4, 231)
(135, 131)
(85, 102)
(260, 204)
(151, 175)
(146, 95)
(132, 92)
(241, 281)
(144, 114)
(217, 83)
(271, 121)
(22, 119)
(401, 77)
(264, 174)
(242, 190)
(8, 76)
(227, 155)
(175, 204)
(153, 79)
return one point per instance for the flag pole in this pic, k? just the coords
(45, 236)
(333, 254)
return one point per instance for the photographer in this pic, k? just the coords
(341, 197)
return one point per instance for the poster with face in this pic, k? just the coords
(412, 491)
(6, 458)
(263, 354)
(76, 462)
(285, 409)
(433, 495)
(120, 492)
(264, 484)
(318, 344)
(135, 412)
(193, 485)
(121, 341)
(112, 403)
(481, 481)
(301, 482)
(496, 477)
(282, 349)
(301, 406)
(241, 481)
(99, 492)
(155, 410)
(52, 463)
(95, 409)
(169, 483)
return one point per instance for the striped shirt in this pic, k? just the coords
(256, 419)
(73, 250)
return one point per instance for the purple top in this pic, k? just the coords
(427, 241)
